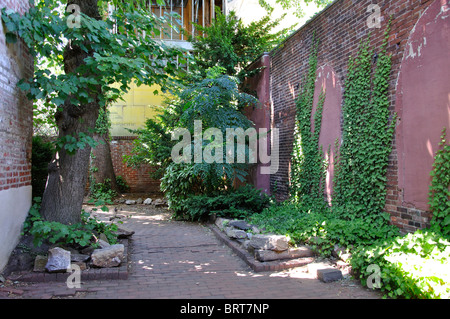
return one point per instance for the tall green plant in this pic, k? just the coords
(308, 168)
(439, 195)
(215, 102)
(360, 179)
(230, 44)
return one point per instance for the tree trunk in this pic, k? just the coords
(63, 197)
(102, 161)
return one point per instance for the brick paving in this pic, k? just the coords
(174, 259)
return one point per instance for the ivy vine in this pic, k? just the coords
(439, 195)
(308, 167)
(368, 129)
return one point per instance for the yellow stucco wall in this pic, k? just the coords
(134, 110)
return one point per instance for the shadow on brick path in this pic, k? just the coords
(174, 259)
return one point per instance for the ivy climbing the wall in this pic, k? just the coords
(308, 167)
(360, 180)
(439, 196)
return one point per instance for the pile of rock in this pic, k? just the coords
(148, 201)
(102, 255)
(264, 247)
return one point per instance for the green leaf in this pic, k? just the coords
(11, 38)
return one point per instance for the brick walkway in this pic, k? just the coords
(172, 259)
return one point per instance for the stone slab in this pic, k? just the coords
(269, 255)
(329, 275)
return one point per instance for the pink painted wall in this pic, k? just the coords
(331, 128)
(260, 116)
(423, 103)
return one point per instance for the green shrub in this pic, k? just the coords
(80, 234)
(321, 229)
(235, 203)
(102, 191)
(411, 266)
(41, 155)
(218, 103)
(122, 184)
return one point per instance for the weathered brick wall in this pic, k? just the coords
(340, 29)
(16, 122)
(15, 111)
(138, 179)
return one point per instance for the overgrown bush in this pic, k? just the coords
(228, 43)
(41, 155)
(216, 103)
(320, 229)
(235, 203)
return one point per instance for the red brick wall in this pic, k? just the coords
(16, 111)
(138, 179)
(16, 129)
(340, 29)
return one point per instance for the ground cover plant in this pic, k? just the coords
(77, 235)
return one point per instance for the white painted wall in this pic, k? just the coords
(14, 206)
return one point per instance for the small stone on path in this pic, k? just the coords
(58, 260)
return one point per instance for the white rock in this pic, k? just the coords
(148, 201)
(58, 260)
(269, 242)
(110, 256)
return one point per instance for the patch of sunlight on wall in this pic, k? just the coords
(135, 108)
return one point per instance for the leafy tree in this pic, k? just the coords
(93, 52)
(229, 44)
(217, 103)
(295, 5)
